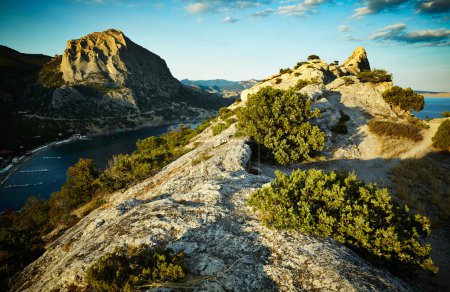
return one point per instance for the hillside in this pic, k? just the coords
(197, 204)
(102, 82)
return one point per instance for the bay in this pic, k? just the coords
(434, 107)
(46, 172)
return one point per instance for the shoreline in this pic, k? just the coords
(34, 152)
(436, 95)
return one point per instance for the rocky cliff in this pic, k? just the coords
(108, 67)
(197, 204)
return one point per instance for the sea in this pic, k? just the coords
(434, 107)
(46, 172)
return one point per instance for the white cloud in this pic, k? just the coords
(197, 7)
(300, 9)
(397, 33)
(229, 19)
(343, 28)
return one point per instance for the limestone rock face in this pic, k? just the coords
(357, 62)
(110, 60)
(108, 75)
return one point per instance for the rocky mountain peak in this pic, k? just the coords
(357, 62)
(109, 58)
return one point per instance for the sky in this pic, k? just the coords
(242, 39)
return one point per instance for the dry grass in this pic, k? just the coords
(423, 184)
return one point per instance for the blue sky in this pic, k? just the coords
(241, 39)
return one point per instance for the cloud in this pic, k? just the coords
(204, 6)
(262, 13)
(229, 19)
(302, 8)
(377, 6)
(350, 38)
(433, 7)
(343, 28)
(397, 33)
(195, 8)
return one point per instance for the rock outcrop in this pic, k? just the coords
(357, 62)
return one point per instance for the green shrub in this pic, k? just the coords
(278, 80)
(441, 139)
(279, 120)
(340, 206)
(375, 76)
(313, 57)
(219, 128)
(287, 70)
(299, 64)
(301, 83)
(341, 127)
(238, 99)
(398, 130)
(127, 268)
(348, 81)
(79, 188)
(296, 74)
(445, 114)
(403, 99)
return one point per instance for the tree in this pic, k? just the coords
(375, 76)
(313, 57)
(403, 99)
(279, 120)
(79, 188)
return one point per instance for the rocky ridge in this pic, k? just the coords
(198, 204)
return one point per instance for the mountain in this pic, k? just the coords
(102, 82)
(198, 203)
(223, 87)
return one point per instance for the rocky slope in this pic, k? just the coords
(198, 204)
(200, 208)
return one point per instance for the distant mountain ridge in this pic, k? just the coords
(221, 86)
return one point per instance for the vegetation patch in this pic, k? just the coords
(299, 64)
(278, 80)
(403, 99)
(375, 76)
(348, 81)
(284, 71)
(397, 130)
(338, 205)
(279, 120)
(301, 83)
(441, 138)
(445, 114)
(128, 268)
(313, 57)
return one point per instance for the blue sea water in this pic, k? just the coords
(46, 172)
(433, 108)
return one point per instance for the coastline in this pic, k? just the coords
(437, 95)
(5, 176)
